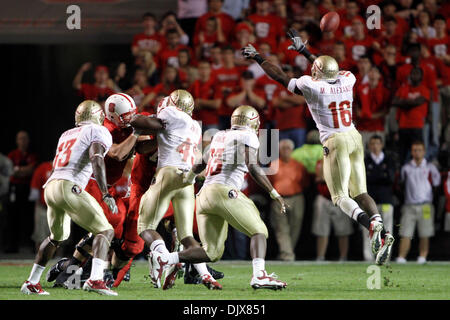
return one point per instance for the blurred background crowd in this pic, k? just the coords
(401, 108)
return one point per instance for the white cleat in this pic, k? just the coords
(29, 288)
(158, 264)
(375, 236)
(171, 275)
(98, 286)
(210, 282)
(265, 281)
(384, 254)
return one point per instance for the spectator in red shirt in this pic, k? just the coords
(170, 81)
(339, 54)
(169, 54)
(246, 94)
(373, 101)
(169, 22)
(140, 87)
(412, 100)
(388, 67)
(346, 23)
(149, 40)
(227, 77)
(40, 176)
(290, 113)
(363, 66)
(359, 43)
(215, 10)
(268, 27)
(244, 35)
(20, 218)
(389, 36)
(216, 58)
(389, 9)
(97, 91)
(205, 39)
(207, 99)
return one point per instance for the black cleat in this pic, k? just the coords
(108, 278)
(55, 270)
(191, 275)
(127, 276)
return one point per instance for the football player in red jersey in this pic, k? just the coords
(119, 109)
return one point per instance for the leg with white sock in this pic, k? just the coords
(46, 251)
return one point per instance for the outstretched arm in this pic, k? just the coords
(146, 125)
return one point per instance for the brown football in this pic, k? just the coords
(330, 22)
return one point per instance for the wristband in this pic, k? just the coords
(259, 59)
(306, 53)
(274, 194)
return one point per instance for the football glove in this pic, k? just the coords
(111, 203)
(297, 42)
(249, 52)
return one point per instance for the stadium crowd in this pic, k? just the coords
(401, 108)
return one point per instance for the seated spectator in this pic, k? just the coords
(19, 222)
(149, 40)
(289, 180)
(373, 101)
(412, 100)
(380, 173)
(309, 153)
(423, 29)
(227, 81)
(419, 178)
(204, 40)
(170, 81)
(215, 10)
(97, 91)
(327, 216)
(40, 176)
(289, 111)
(358, 44)
(207, 99)
(169, 54)
(268, 27)
(169, 22)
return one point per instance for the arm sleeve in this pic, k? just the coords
(300, 83)
(101, 135)
(250, 140)
(166, 114)
(435, 176)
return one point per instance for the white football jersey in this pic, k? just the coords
(226, 164)
(72, 154)
(178, 142)
(330, 104)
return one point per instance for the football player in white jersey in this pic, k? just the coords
(220, 202)
(329, 95)
(178, 138)
(80, 153)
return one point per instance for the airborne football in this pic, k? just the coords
(215, 152)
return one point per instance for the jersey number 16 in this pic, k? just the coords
(343, 111)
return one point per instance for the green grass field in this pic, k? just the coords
(309, 281)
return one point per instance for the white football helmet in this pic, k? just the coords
(119, 108)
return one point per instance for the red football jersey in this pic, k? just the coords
(268, 29)
(227, 81)
(226, 22)
(114, 168)
(429, 77)
(371, 101)
(357, 48)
